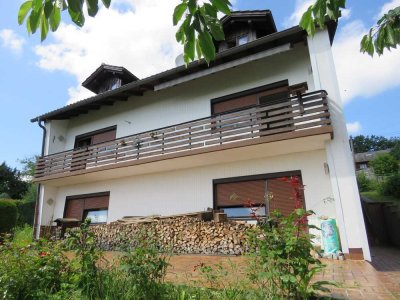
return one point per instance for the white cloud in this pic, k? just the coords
(300, 7)
(359, 74)
(140, 37)
(354, 127)
(11, 40)
(387, 6)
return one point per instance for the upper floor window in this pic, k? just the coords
(244, 39)
(96, 137)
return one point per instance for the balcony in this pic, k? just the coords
(295, 117)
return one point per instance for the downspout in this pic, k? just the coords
(36, 223)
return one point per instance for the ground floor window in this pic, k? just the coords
(93, 206)
(268, 192)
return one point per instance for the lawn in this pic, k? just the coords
(376, 197)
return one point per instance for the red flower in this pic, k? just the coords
(43, 254)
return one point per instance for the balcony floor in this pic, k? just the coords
(275, 145)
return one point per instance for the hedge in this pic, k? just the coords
(8, 215)
(26, 211)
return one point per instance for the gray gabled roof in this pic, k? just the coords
(291, 35)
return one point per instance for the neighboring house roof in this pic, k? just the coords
(368, 156)
(291, 35)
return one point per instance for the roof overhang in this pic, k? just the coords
(292, 35)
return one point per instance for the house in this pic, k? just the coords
(205, 136)
(363, 159)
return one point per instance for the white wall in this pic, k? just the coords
(187, 101)
(190, 190)
(344, 185)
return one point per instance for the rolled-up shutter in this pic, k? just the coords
(233, 104)
(282, 196)
(104, 136)
(96, 202)
(74, 208)
(238, 193)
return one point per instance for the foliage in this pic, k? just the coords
(368, 143)
(11, 183)
(31, 193)
(29, 166)
(391, 186)
(23, 236)
(377, 197)
(26, 213)
(8, 215)
(283, 265)
(385, 35)
(384, 165)
(395, 152)
(317, 13)
(87, 255)
(364, 183)
(31, 270)
(4, 196)
(201, 26)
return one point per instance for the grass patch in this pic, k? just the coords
(377, 197)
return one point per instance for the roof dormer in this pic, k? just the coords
(107, 78)
(242, 27)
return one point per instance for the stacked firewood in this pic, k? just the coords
(206, 233)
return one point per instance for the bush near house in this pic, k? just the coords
(365, 184)
(385, 165)
(26, 211)
(391, 186)
(8, 215)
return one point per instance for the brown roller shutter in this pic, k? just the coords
(237, 193)
(74, 208)
(104, 136)
(96, 202)
(283, 196)
(237, 103)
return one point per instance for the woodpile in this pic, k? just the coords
(197, 233)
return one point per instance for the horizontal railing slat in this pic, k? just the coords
(291, 114)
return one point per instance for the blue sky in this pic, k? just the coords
(37, 78)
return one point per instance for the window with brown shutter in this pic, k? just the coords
(81, 206)
(266, 191)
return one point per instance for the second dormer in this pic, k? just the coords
(242, 27)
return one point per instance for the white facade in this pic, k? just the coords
(185, 184)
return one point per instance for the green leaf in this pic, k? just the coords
(217, 31)
(178, 12)
(55, 18)
(221, 6)
(34, 21)
(207, 46)
(210, 10)
(189, 47)
(75, 12)
(23, 11)
(37, 5)
(106, 3)
(44, 28)
(48, 8)
(307, 22)
(92, 7)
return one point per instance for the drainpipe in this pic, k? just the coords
(36, 223)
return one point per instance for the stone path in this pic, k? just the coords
(356, 279)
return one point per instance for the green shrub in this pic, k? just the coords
(26, 213)
(384, 165)
(32, 270)
(8, 215)
(364, 183)
(282, 265)
(31, 193)
(391, 186)
(4, 196)
(395, 152)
